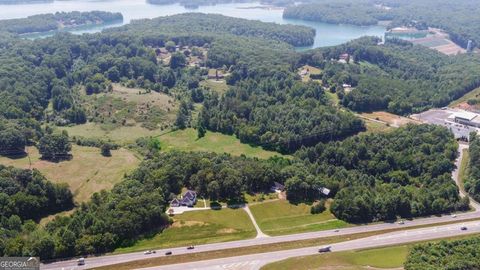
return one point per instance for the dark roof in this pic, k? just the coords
(187, 201)
(175, 201)
(278, 186)
(190, 194)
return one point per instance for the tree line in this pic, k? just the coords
(398, 77)
(279, 113)
(457, 18)
(25, 197)
(55, 21)
(406, 173)
(446, 254)
(472, 178)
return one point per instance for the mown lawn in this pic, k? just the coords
(280, 218)
(200, 227)
(87, 172)
(386, 258)
(218, 86)
(186, 140)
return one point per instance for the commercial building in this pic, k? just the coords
(466, 118)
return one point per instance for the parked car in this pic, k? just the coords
(325, 249)
(168, 253)
(81, 261)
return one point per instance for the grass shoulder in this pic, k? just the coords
(280, 217)
(199, 227)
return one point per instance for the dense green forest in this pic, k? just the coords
(406, 172)
(472, 179)
(207, 25)
(457, 254)
(26, 195)
(398, 77)
(358, 12)
(279, 113)
(458, 18)
(59, 20)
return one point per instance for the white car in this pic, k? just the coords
(454, 216)
(148, 252)
(401, 222)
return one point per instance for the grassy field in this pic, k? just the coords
(122, 135)
(130, 106)
(217, 86)
(186, 140)
(280, 218)
(87, 172)
(474, 94)
(391, 119)
(385, 258)
(376, 127)
(464, 168)
(200, 227)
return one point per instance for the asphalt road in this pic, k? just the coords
(453, 230)
(255, 261)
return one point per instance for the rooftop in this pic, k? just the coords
(465, 115)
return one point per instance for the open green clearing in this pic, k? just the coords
(121, 135)
(218, 86)
(87, 172)
(129, 107)
(186, 140)
(280, 217)
(200, 227)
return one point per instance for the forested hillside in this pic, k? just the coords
(398, 77)
(406, 172)
(59, 20)
(458, 18)
(472, 179)
(26, 195)
(458, 254)
(191, 25)
(278, 113)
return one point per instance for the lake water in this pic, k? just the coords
(327, 34)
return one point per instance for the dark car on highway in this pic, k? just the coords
(168, 253)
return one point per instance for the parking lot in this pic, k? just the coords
(444, 117)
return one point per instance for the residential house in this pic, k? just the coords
(189, 199)
(277, 187)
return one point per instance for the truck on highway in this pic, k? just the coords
(325, 249)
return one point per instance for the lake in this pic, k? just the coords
(327, 34)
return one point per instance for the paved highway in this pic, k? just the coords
(255, 261)
(113, 259)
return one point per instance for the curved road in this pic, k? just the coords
(361, 243)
